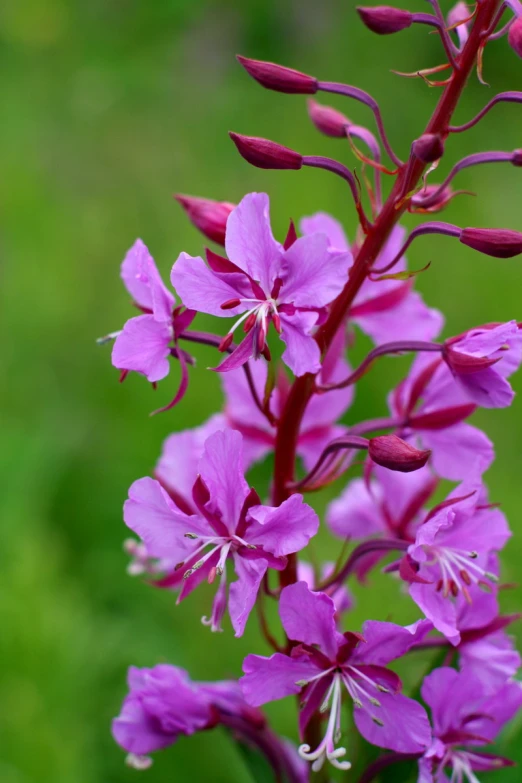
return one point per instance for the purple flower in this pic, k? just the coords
(486, 651)
(144, 343)
(229, 524)
(463, 716)
(162, 705)
(386, 310)
(430, 408)
(325, 663)
(147, 341)
(482, 360)
(265, 283)
(451, 552)
(318, 425)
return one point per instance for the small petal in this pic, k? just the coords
(250, 243)
(312, 275)
(269, 679)
(153, 516)
(144, 346)
(322, 223)
(309, 617)
(386, 641)
(221, 468)
(302, 353)
(143, 282)
(406, 726)
(203, 290)
(285, 529)
(243, 592)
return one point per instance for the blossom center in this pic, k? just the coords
(256, 319)
(458, 570)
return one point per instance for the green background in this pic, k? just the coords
(108, 107)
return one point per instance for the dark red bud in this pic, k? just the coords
(465, 364)
(210, 217)
(266, 154)
(394, 453)
(384, 20)
(499, 243)
(327, 120)
(428, 147)
(516, 160)
(278, 77)
(515, 36)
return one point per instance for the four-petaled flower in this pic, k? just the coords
(463, 716)
(451, 552)
(264, 283)
(324, 662)
(229, 523)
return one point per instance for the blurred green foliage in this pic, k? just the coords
(108, 108)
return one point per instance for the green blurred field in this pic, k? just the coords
(109, 107)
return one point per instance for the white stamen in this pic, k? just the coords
(326, 750)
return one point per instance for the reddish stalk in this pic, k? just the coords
(394, 207)
(396, 204)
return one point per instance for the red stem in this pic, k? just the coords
(408, 177)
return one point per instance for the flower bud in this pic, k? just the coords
(499, 243)
(395, 454)
(208, 216)
(428, 147)
(328, 120)
(384, 20)
(266, 154)
(515, 36)
(516, 160)
(278, 77)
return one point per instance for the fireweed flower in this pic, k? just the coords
(486, 651)
(482, 360)
(326, 663)
(146, 341)
(230, 524)
(163, 704)
(431, 410)
(319, 423)
(176, 471)
(263, 283)
(385, 310)
(464, 720)
(451, 552)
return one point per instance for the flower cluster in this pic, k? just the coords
(198, 519)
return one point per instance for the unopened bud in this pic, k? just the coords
(266, 154)
(278, 77)
(393, 453)
(515, 36)
(428, 147)
(516, 160)
(327, 120)
(465, 363)
(384, 20)
(499, 243)
(209, 217)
